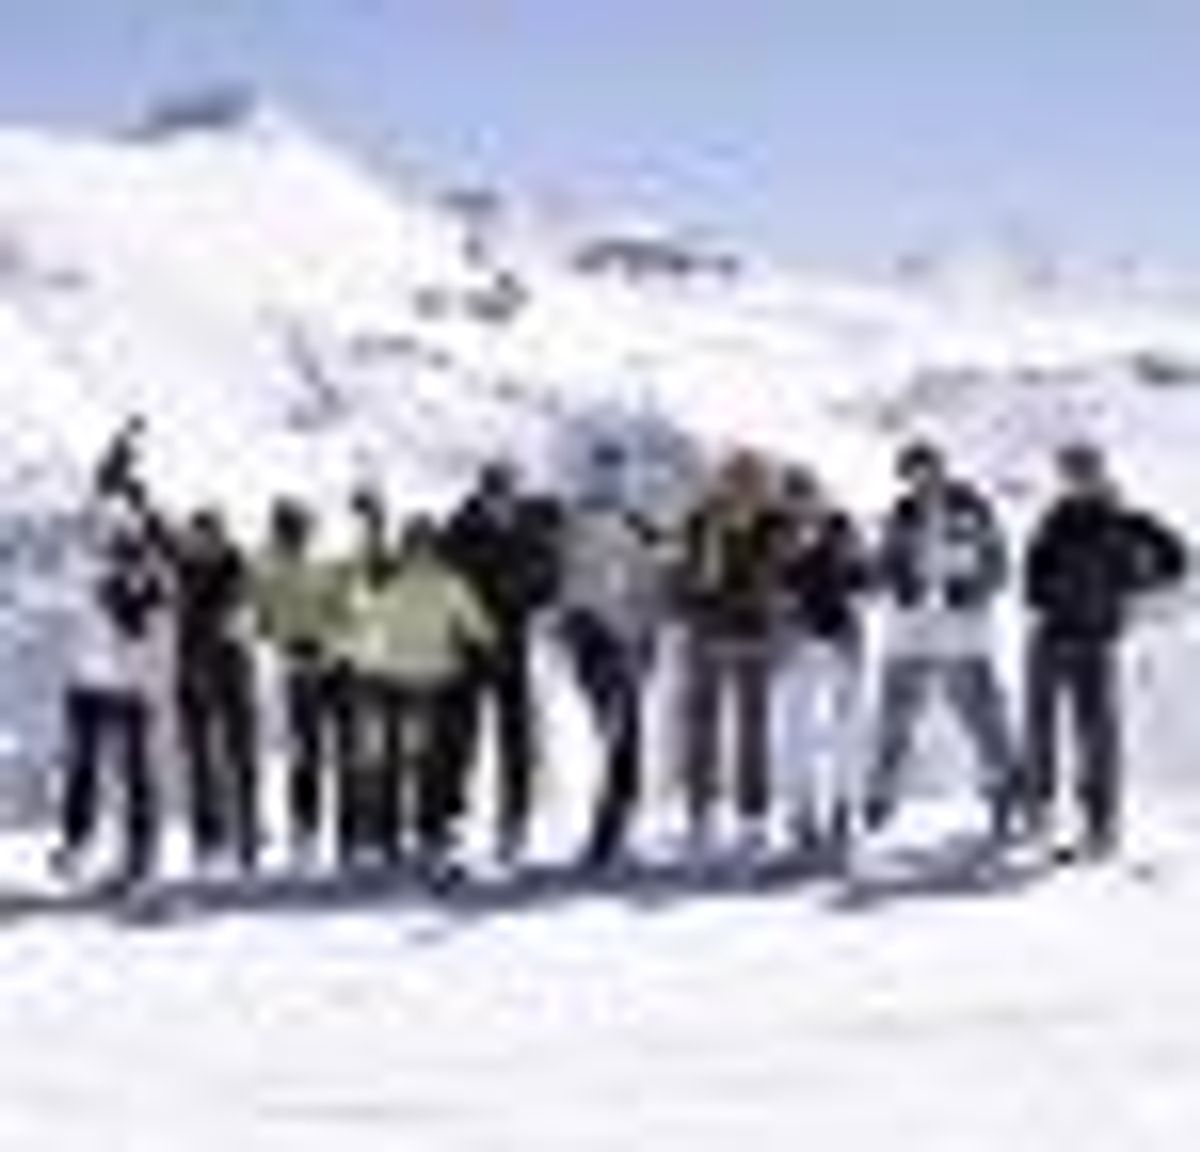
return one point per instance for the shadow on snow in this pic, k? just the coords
(960, 868)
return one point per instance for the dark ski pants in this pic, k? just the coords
(738, 670)
(460, 725)
(1079, 676)
(99, 719)
(610, 676)
(973, 690)
(219, 729)
(509, 684)
(318, 737)
(405, 776)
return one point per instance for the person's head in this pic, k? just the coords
(744, 480)
(1083, 470)
(607, 473)
(420, 540)
(207, 530)
(921, 467)
(292, 525)
(369, 511)
(499, 482)
(801, 492)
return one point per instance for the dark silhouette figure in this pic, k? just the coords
(215, 689)
(1090, 557)
(502, 541)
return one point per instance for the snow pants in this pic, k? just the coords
(1080, 676)
(97, 719)
(317, 709)
(404, 779)
(973, 690)
(818, 732)
(508, 681)
(721, 671)
(610, 673)
(218, 724)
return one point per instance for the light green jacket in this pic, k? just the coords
(299, 603)
(416, 627)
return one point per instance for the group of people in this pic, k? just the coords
(392, 655)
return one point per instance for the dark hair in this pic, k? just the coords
(1081, 458)
(608, 453)
(918, 455)
(498, 476)
(292, 522)
(800, 480)
(208, 521)
(421, 532)
(369, 504)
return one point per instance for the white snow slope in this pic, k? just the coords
(288, 321)
(936, 1015)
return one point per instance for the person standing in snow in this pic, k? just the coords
(360, 580)
(412, 633)
(215, 689)
(943, 563)
(824, 571)
(298, 606)
(1090, 558)
(110, 700)
(728, 589)
(610, 601)
(503, 541)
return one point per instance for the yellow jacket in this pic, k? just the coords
(416, 626)
(299, 603)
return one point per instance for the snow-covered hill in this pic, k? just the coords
(289, 320)
(286, 318)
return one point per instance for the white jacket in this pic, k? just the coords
(933, 626)
(105, 656)
(611, 570)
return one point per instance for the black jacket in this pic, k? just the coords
(822, 575)
(1086, 561)
(211, 593)
(509, 559)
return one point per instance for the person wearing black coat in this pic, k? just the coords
(1088, 561)
(824, 562)
(824, 571)
(215, 689)
(503, 540)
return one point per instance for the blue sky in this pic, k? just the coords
(830, 128)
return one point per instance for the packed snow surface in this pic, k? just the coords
(1042, 1013)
